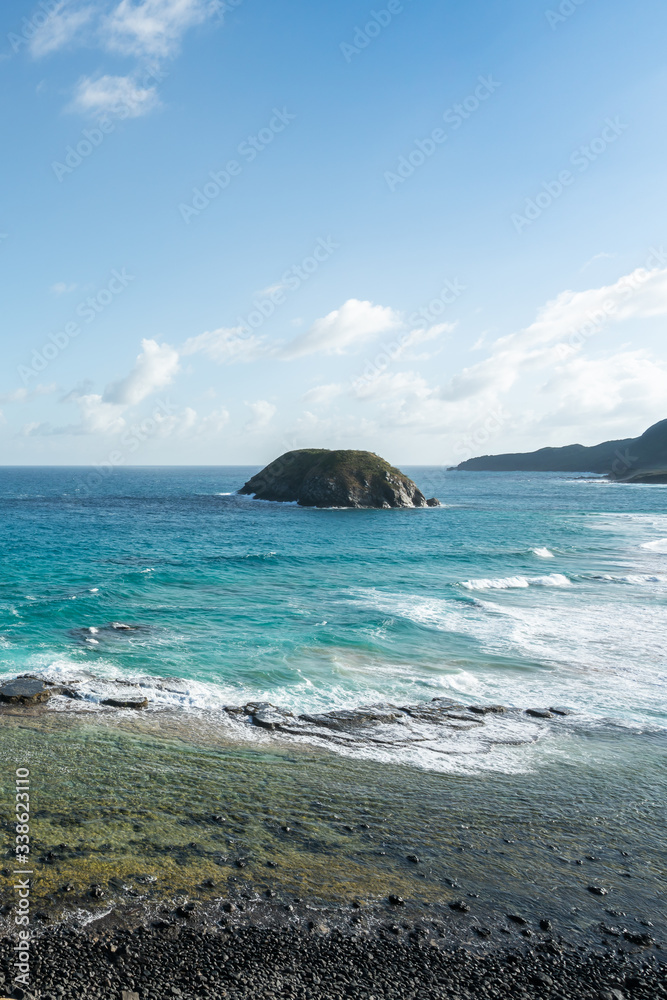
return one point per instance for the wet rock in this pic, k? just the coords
(136, 703)
(558, 710)
(267, 716)
(487, 709)
(539, 713)
(459, 906)
(643, 940)
(26, 691)
(517, 919)
(597, 890)
(545, 924)
(396, 900)
(413, 858)
(128, 995)
(96, 891)
(355, 717)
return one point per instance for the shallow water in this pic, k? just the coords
(130, 806)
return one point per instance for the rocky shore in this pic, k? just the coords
(291, 950)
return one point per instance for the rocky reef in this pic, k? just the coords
(317, 477)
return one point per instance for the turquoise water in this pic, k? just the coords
(521, 589)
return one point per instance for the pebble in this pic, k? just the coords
(284, 962)
(460, 906)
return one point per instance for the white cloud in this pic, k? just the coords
(61, 28)
(346, 328)
(597, 256)
(226, 345)
(619, 390)
(97, 417)
(142, 28)
(262, 415)
(560, 330)
(393, 385)
(322, 395)
(154, 369)
(62, 288)
(113, 95)
(153, 27)
(26, 395)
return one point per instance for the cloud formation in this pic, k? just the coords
(226, 345)
(343, 330)
(154, 369)
(113, 95)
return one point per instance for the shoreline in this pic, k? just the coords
(160, 846)
(272, 949)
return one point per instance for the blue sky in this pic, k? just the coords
(233, 227)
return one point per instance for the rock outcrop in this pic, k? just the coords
(317, 477)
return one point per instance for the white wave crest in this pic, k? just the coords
(659, 545)
(543, 553)
(518, 582)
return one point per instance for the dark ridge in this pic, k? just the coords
(642, 459)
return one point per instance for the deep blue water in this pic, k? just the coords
(521, 589)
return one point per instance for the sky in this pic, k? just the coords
(230, 228)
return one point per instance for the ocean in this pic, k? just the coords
(543, 594)
(525, 590)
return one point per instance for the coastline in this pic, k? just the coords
(156, 821)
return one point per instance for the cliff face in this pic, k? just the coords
(316, 477)
(642, 459)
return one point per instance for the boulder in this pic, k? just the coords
(26, 691)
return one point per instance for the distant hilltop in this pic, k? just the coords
(317, 477)
(631, 460)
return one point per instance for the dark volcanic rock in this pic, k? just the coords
(126, 702)
(316, 477)
(26, 691)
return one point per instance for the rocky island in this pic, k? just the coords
(318, 477)
(629, 460)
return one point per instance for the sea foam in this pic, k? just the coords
(518, 582)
